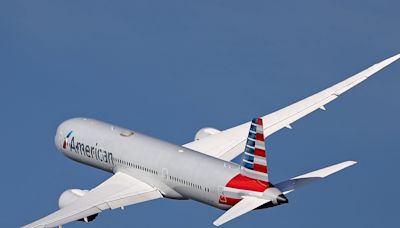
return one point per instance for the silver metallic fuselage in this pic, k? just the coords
(178, 172)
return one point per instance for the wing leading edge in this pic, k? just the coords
(228, 144)
(118, 191)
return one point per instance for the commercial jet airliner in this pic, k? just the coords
(145, 168)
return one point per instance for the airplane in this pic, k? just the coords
(146, 168)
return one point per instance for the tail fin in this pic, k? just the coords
(254, 161)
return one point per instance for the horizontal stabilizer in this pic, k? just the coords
(297, 182)
(248, 203)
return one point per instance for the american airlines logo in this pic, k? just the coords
(66, 140)
(87, 150)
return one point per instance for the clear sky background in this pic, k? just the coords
(169, 68)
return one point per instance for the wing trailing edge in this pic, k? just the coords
(228, 144)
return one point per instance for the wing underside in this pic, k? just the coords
(118, 191)
(228, 144)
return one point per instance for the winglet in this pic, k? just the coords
(378, 66)
(390, 60)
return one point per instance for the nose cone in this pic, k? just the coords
(60, 135)
(64, 133)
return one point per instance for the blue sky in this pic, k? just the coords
(168, 68)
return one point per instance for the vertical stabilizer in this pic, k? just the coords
(254, 161)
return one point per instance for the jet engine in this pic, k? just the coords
(71, 195)
(204, 132)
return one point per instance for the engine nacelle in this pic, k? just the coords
(204, 132)
(69, 196)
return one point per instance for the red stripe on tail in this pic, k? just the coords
(260, 137)
(259, 152)
(260, 168)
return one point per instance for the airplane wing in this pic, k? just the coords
(118, 191)
(228, 144)
(299, 181)
(248, 203)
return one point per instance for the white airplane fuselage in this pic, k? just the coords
(178, 172)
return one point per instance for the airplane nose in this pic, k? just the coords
(58, 138)
(61, 133)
